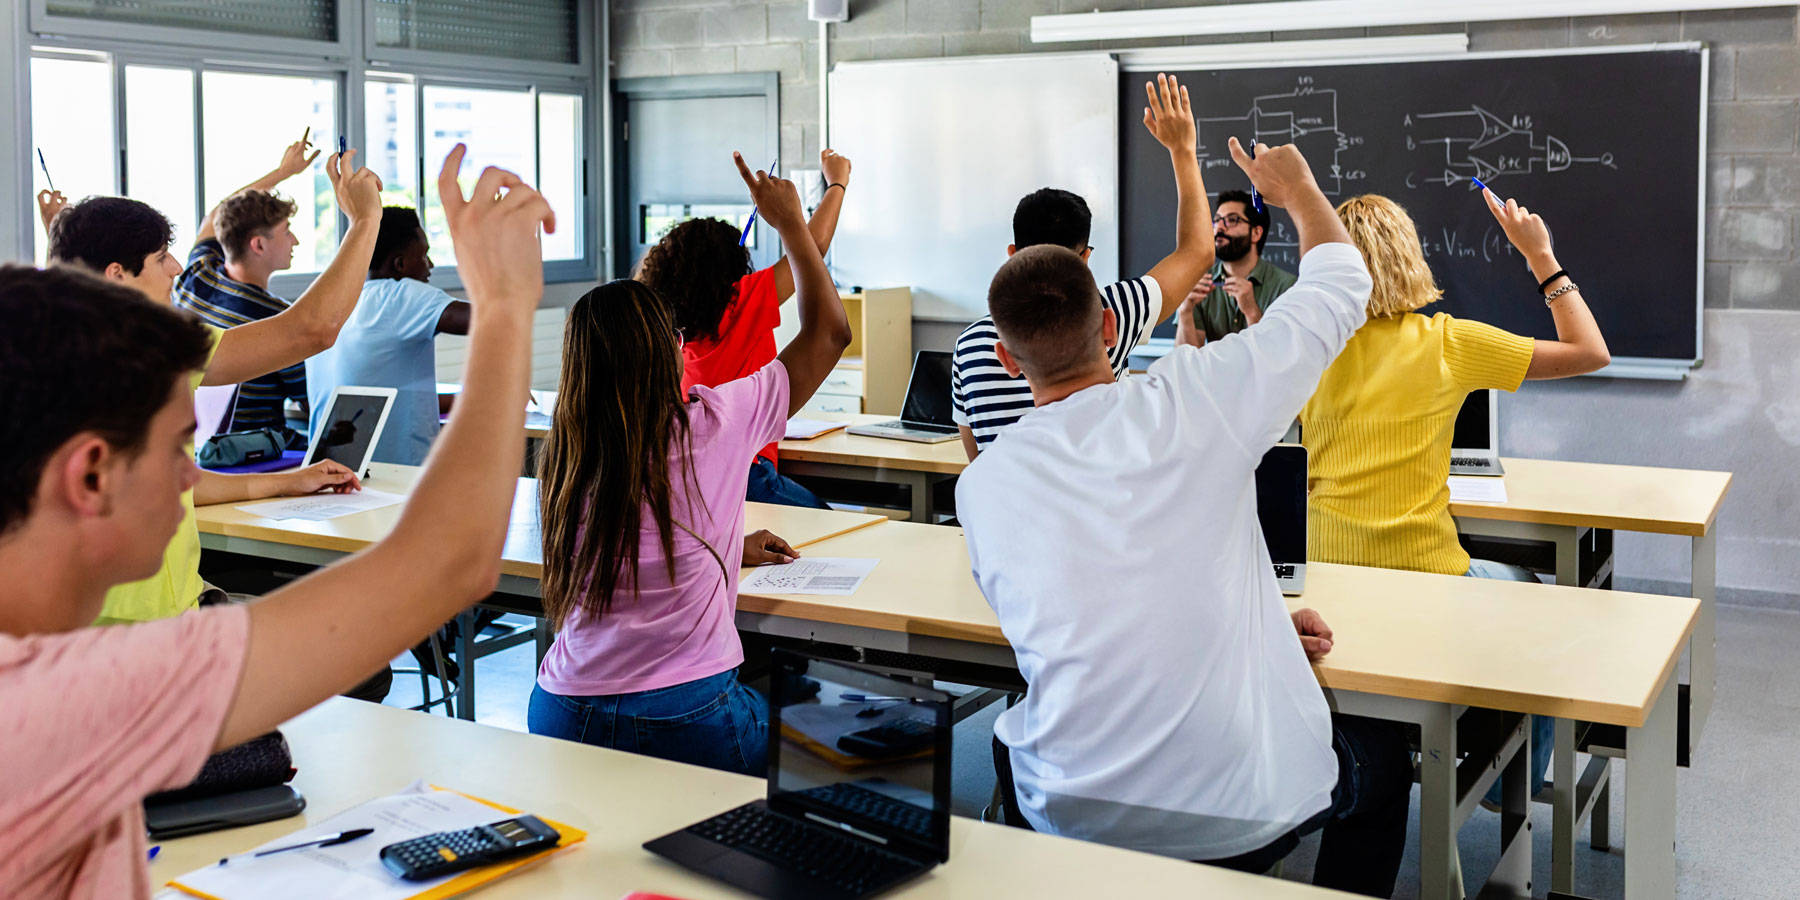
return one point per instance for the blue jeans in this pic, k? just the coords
(1543, 728)
(770, 486)
(714, 722)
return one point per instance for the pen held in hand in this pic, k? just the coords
(1498, 204)
(1255, 195)
(744, 238)
(46, 168)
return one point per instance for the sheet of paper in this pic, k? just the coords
(826, 575)
(1477, 489)
(802, 429)
(347, 870)
(319, 507)
(544, 402)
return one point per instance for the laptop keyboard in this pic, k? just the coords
(839, 860)
(1480, 462)
(1284, 570)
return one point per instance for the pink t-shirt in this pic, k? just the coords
(91, 722)
(679, 631)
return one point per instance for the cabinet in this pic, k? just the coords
(872, 376)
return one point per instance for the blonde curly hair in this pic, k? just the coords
(1389, 244)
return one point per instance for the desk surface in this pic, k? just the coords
(348, 752)
(843, 448)
(1622, 498)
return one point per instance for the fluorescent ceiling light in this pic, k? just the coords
(1292, 15)
(1263, 52)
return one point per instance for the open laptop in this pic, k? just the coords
(926, 417)
(1475, 449)
(859, 790)
(351, 427)
(1281, 506)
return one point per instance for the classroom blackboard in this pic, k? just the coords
(1607, 146)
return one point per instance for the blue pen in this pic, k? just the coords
(153, 851)
(343, 145)
(1255, 195)
(46, 167)
(745, 237)
(1497, 204)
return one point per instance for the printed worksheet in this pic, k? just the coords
(1477, 489)
(829, 576)
(319, 507)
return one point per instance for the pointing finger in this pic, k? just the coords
(449, 191)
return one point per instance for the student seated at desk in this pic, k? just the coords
(728, 314)
(641, 493)
(388, 340)
(1240, 287)
(127, 242)
(1170, 707)
(1378, 430)
(94, 719)
(986, 399)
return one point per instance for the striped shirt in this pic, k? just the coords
(986, 399)
(222, 301)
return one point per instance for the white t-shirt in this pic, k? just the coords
(1171, 707)
(986, 399)
(387, 342)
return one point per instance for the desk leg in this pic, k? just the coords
(1702, 661)
(1565, 816)
(1440, 877)
(918, 489)
(1650, 801)
(465, 654)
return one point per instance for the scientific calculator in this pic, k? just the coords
(453, 851)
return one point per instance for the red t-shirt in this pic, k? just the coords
(746, 340)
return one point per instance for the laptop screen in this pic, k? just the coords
(1473, 430)
(928, 394)
(346, 430)
(1281, 502)
(868, 751)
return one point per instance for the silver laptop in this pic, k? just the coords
(351, 427)
(1475, 449)
(1281, 506)
(926, 417)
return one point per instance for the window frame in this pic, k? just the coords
(43, 23)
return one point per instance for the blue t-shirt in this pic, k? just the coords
(387, 343)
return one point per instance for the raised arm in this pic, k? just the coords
(823, 224)
(294, 160)
(1170, 117)
(1579, 347)
(824, 329)
(444, 554)
(311, 324)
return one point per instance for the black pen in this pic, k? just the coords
(342, 837)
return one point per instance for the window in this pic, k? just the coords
(72, 130)
(249, 119)
(543, 30)
(391, 131)
(497, 126)
(159, 146)
(562, 173)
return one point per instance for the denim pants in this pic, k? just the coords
(1543, 728)
(714, 722)
(770, 486)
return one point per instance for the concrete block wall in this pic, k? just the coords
(1740, 412)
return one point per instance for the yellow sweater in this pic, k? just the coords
(1377, 434)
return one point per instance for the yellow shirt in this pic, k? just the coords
(1378, 431)
(176, 587)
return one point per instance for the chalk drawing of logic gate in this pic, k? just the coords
(1476, 143)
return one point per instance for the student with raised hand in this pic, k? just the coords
(127, 242)
(641, 499)
(1171, 708)
(985, 397)
(728, 314)
(1378, 431)
(94, 719)
(243, 242)
(388, 340)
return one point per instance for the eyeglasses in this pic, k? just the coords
(1230, 220)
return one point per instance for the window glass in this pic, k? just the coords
(72, 127)
(390, 121)
(249, 119)
(496, 125)
(159, 146)
(560, 159)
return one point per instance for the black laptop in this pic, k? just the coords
(1281, 507)
(926, 418)
(859, 791)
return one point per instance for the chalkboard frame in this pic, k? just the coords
(1657, 368)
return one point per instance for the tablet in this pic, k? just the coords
(351, 427)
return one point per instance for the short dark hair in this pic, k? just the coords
(1047, 308)
(240, 217)
(79, 354)
(400, 229)
(100, 231)
(1257, 219)
(1052, 216)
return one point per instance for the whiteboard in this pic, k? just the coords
(943, 149)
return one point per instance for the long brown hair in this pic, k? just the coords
(619, 411)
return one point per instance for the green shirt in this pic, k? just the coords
(1218, 315)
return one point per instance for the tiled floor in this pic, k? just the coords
(1737, 809)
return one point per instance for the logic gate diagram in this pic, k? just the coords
(1306, 117)
(1479, 144)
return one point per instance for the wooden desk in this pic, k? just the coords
(840, 454)
(348, 752)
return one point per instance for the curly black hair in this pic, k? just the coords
(696, 268)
